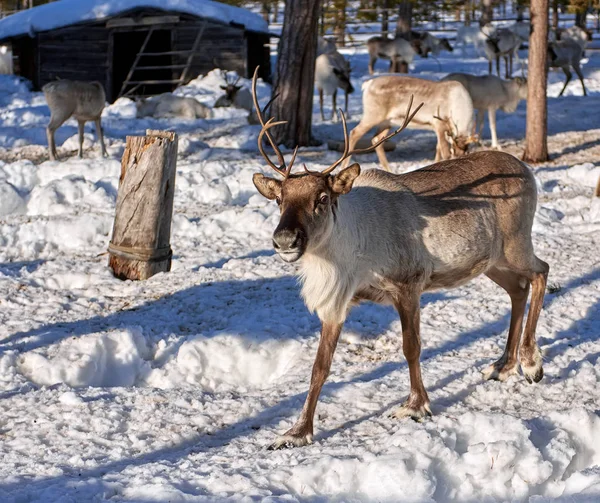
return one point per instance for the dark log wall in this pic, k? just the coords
(84, 52)
(223, 45)
(76, 53)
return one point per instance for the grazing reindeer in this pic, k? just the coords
(169, 105)
(504, 43)
(397, 50)
(448, 111)
(566, 54)
(376, 236)
(332, 71)
(491, 93)
(82, 100)
(235, 96)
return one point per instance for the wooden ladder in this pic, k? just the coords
(185, 68)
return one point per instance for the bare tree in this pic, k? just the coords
(536, 141)
(295, 77)
(403, 29)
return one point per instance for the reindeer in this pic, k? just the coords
(325, 46)
(169, 105)
(376, 236)
(332, 71)
(82, 100)
(425, 43)
(504, 43)
(565, 54)
(397, 50)
(491, 93)
(474, 34)
(575, 33)
(448, 111)
(235, 96)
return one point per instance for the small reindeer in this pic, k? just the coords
(491, 93)
(386, 238)
(332, 71)
(235, 96)
(82, 100)
(504, 43)
(448, 111)
(397, 50)
(566, 54)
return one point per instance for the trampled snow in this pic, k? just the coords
(170, 389)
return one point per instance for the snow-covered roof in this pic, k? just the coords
(68, 12)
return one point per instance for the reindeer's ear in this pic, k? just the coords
(268, 187)
(342, 182)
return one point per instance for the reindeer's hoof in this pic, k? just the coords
(500, 371)
(416, 413)
(532, 367)
(288, 441)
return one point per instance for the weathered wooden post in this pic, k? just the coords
(140, 245)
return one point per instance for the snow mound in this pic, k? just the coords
(114, 358)
(586, 174)
(11, 201)
(226, 362)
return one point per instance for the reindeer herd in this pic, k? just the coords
(449, 110)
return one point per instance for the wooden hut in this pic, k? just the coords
(135, 47)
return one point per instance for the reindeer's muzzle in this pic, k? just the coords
(289, 243)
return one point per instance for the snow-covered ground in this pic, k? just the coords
(170, 389)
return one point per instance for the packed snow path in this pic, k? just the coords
(170, 389)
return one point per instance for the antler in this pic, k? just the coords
(281, 169)
(346, 154)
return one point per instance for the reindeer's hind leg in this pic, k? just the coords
(530, 354)
(100, 135)
(334, 105)
(80, 130)
(580, 75)
(517, 286)
(321, 104)
(568, 74)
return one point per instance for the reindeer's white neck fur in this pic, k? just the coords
(333, 270)
(328, 272)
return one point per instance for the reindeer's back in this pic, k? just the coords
(493, 184)
(85, 100)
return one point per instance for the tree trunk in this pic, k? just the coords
(140, 247)
(467, 8)
(554, 15)
(295, 77)
(580, 18)
(487, 12)
(404, 23)
(339, 29)
(385, 18)
(536, 141)
(265, 10)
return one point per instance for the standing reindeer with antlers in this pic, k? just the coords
(388, 238)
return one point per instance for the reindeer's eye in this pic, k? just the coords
(324, 199)
(278, 201)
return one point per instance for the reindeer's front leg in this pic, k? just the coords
(301, 433)
(408, 305)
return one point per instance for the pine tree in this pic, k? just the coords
(536, 141)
